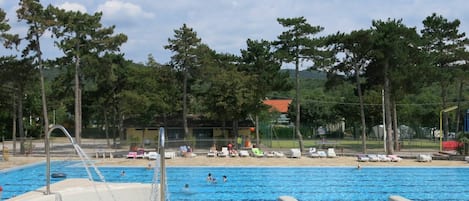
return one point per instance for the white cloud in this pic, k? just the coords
(225, 25)
(72, 7)
(119, 10)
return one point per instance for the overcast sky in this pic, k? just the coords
(225, 25)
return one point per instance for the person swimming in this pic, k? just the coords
(186, 189)
(211, 179)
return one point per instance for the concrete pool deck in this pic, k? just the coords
(83, 189)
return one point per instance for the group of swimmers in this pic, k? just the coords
(210, 179)
(213, 180)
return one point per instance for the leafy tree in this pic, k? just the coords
(109, 82)
(295, 46)
(392, 42)
(225, 91)
(5, 83)
(356, 48)
(259, 62)
(38, 20)
(446, 46)
(183, 45)
(18, 75)
(82, 35)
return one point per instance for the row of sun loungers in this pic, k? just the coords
(378, 158)
(330, 153)
(147, 155)
(256, 152)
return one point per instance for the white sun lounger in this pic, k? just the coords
(152, 155)
(373, 157)
(395, 158)
(243, 153)
(278, 154)
(224, 152)
(331, 153)
(362, 158)
(383, 158)
(313, 153)
(295, 153)
(170, 155)
(424, 158)
(322, 154)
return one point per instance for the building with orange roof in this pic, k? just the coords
(278, 105)
(281, 106)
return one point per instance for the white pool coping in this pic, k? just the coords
(83, 189)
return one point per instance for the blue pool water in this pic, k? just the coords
(268, 183)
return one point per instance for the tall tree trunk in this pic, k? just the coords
(387, 109)
(184, 103)
(362, 110)
(121, 126)
(14, 123)
(45, 116)
(114, 126)
(236, 128)
(257, 130)
(21, 122)
(106, 127)
(444, 97)
(395, 127)
(461, 86)
(297, 122)
(77, 101)
(223, 130)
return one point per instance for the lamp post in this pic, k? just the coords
(441, 123)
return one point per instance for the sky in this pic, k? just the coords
(225, 25)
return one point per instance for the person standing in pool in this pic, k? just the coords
(149, 166)
(123, 173)
(225, 178)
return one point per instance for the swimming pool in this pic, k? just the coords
(268, 183)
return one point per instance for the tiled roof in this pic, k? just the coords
(280, 105)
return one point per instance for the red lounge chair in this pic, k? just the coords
(450, 145)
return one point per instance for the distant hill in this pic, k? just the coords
(306, 74)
